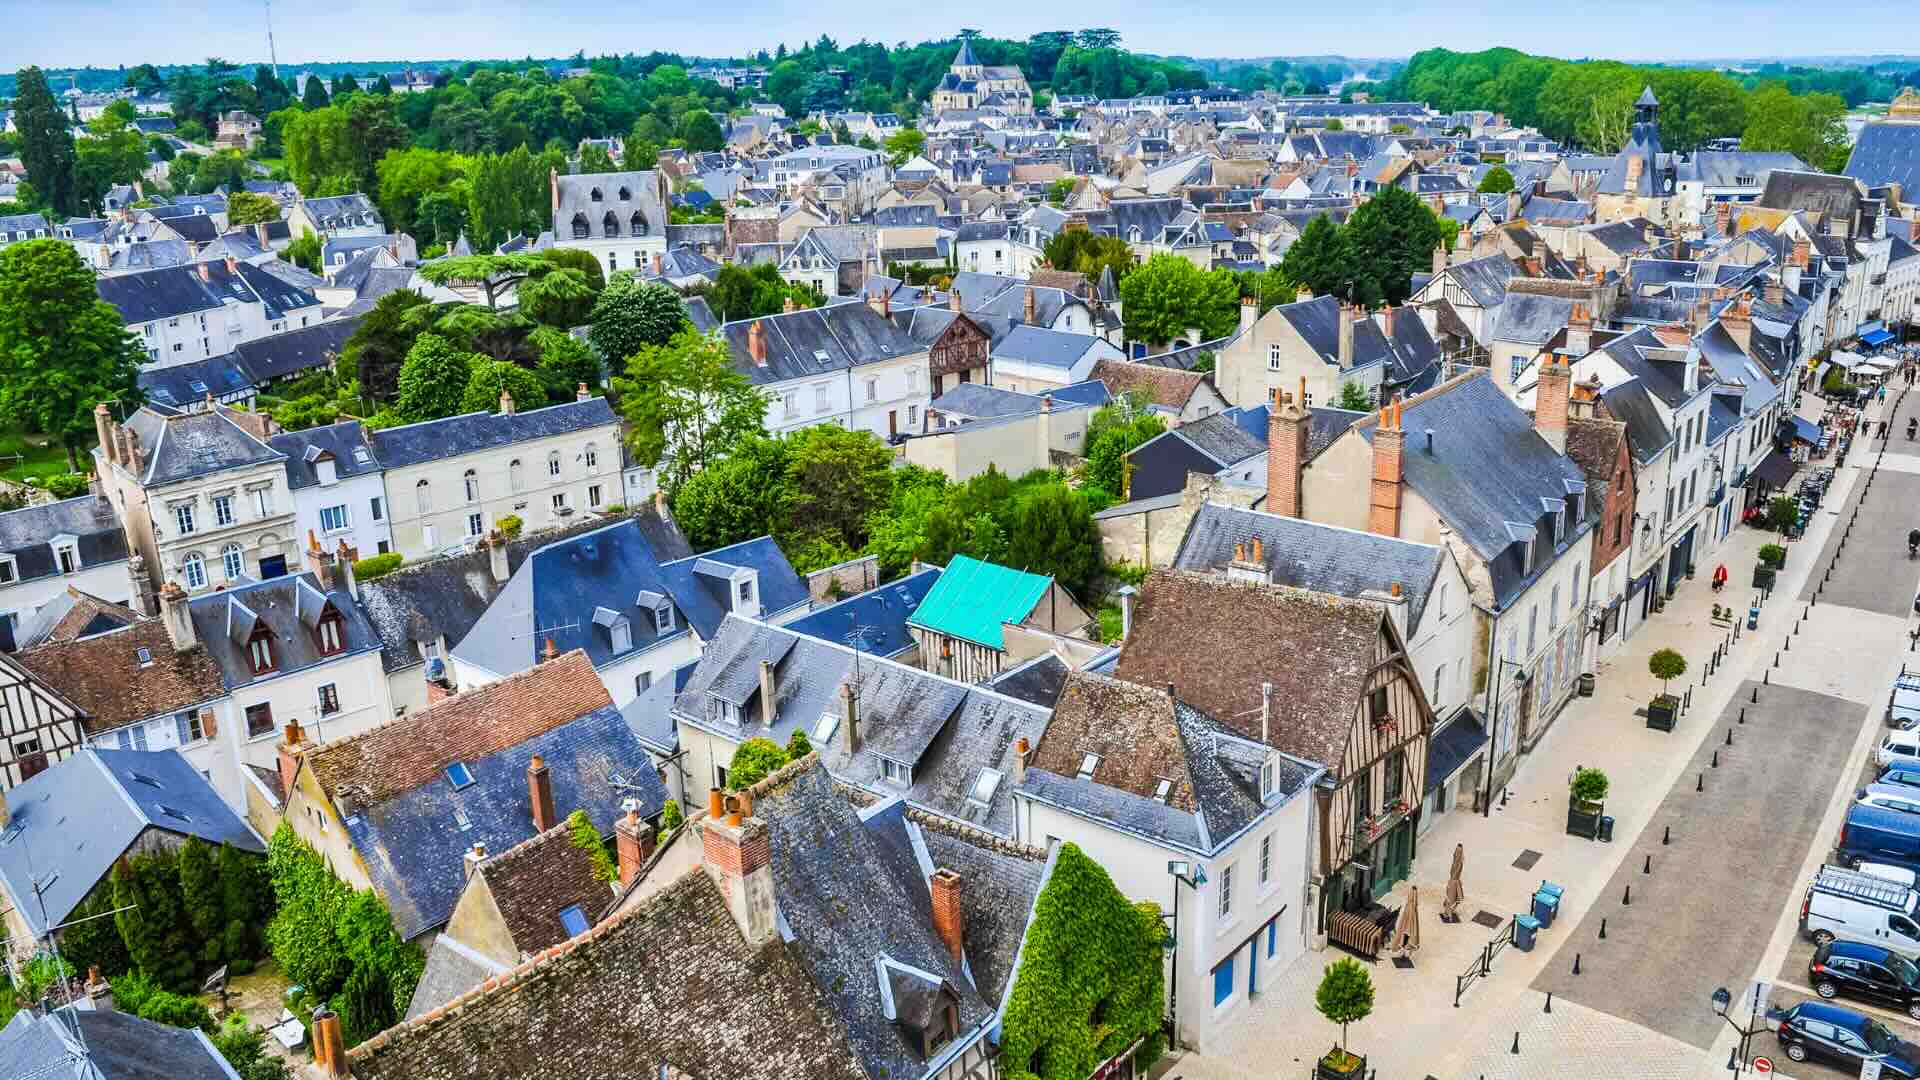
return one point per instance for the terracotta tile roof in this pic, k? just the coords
(1217, 640)
(1595, 446)
(402, 755)
(670, 983)
(1130, 726)
(86, 608)
(1069, 281)
(1168, 387)
(104, 677)
(533, 882)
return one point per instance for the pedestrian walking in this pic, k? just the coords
(1719, 577)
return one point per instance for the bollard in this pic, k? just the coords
(1516, 1042)
(1729, 736)
(1549, 1001)
(1626, 898)
(1666, 836)
(1603, 929)
(1788, 645)
(1700, 782)
(1648, 868)
(1743, 714)
(1716, 759)
(1576, 963)
(1766, 677)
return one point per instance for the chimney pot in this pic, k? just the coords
(633, 843)
(506, 403)
(580, 392)
(540, 794)
(716, 802)
(1383, 515)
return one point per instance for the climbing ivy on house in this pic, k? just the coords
(1090, 981)
(587, 838)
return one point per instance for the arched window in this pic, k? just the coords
(594, 195)
(232, 562)
(516, 475)
(625, 195)
(1133, 235)
(195, 569)
(580, 227)
(610, 225)
(553, 463)
(423, 496)
(639, 224)
(473, 485)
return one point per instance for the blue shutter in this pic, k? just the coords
(1223, 980)
(180, 727)
(140, 736)
(1273, 933)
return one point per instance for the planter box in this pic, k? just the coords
(1662, 711)
(1763, 576)
(1324, 1071)
(1583, 819)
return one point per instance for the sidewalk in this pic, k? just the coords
(1415, 1030)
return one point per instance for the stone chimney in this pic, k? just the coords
(1775, 294)
(767, 693)
(496, 545)
(205, 270)
(320, 561)
(1579, 331)
(179, 623)
(506, 403)
(580, 392)
(1383, 512)
(948, 920)
(1021, 749)
(953, 299)
(1347, 319)
(134, 456)
(1802, 252)
(1738, 319)
(849, 719)
(1127, 593)
(659, 265)
(757, 344)
(292, 746)
(1584, 402)
(1513, 205)
(738, 857)
(1266, 713)
(540, 794)
(879, 302)
(343, 570)
(1723, 218)
(1305, 294)
(99, 991)
(1287, 424)
(233, 266)
(1386, 321)
(633, 843)
(260, 234)
(103, 429)
(470, 862)
(1440, 258)
(1032, 309)
(1550, 403)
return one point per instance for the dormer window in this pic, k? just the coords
(331, 633)
(895, 773)
(625, 195)
(639, 223)
(1269, 777)
(663, 617)
(260, 651)
(610, 225)
(581, 229)
(594, 195)
(1162, 789)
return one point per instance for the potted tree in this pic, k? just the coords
(1586, 801)
(1345, 997)
(1772, 558)
(1665, 665)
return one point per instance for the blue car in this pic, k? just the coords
(1901, 773)
(1812, 1030)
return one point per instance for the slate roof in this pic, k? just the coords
(104, 676)
(180, 290)
(181, 446)
(958, 730)
(663, 985)
(27, 534)
(1884, 153)
(1036, 681)
(92, 1044)
(1307, 555)
(1484, 279)
(70, 823)
(404, 816)
(973, 598)
(874, 621)
(191, 382)
(1823, 193)
(1042, 347)
(1488, 470)
(72, 614)
(1452, 747)
(432, 440)
(980, 401)
(289, 607)
(1190, 632)
(817, 341)
(339, 441)
(1217, 436)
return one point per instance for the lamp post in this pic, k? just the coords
(1519, 676)
(1178, 869)
(1721, 999)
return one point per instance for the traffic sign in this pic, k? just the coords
(1762, 1065)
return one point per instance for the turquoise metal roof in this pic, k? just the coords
(972, 598)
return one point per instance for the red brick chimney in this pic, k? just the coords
(757, 344)
(1383, 512)
(738, 857)
(1802, 251)
(1287, 423)
(1033, 306)
(633, 841)
(948, 920)
(953, 299)
(1550, 403)
(540, 793)
(291, 748)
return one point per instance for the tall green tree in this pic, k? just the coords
(700, 132)
(433, 379)
(247, 208)
(247, 901)
(738, 497)
(836, 478)
(1169, 297)
(304, 252)
(379, 345)
(113, 152)
(315, 96)
(562, 297)
(491, 377)
(630, 315)
(686, 406)
(1087, 252)
(1498, 181)
(154, 922)
(46, 144)
(1389, 239)
(63, 350)
(204, 899)
(902, 145)
(1053, 533)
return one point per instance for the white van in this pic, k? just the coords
(1899, 746)
(1898, 874)
(1851, 906)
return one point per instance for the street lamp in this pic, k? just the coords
(1737, 1058)
(1179, 869)
(1519, 676)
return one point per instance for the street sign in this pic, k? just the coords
(1762, 1065)
(1870, 1068)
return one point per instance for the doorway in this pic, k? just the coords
(1392, 858)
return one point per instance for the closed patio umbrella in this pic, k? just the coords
(1456, 892)
(1406, 928)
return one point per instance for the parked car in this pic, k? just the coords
(1814, 1030)
(1898, 797)
(1899, 746)
(1869, 972)
(1904, 773)
(1878, 835)
(1903, 703)
(1846, 905)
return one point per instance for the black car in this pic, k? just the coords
(1868, 972)
(1813, 1029)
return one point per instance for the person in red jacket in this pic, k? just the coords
(1719, 577)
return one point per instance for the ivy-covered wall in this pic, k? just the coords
(1091, 979)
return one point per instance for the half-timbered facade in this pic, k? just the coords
(1322, 678)
(37, 726)
(959, 355)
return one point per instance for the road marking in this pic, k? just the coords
(1850, 1003)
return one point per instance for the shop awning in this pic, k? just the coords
(1876, 338)
(1805, 430)
(1452, 748)
(1775, 469)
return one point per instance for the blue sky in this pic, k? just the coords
(104, 33)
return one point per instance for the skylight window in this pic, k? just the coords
(1087, 765)
(458, 776)
(1162, 790)
(985, 786)
(460, 817)
(573, 920)
(144, 655)
(823, 730)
